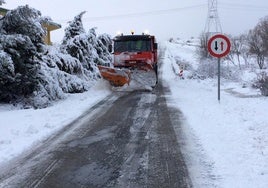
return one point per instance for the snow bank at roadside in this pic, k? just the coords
(226, 143)
(233, 133)
(21, 128)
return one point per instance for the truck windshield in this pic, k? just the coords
(132, 46)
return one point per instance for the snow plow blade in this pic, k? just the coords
(137, 78)
(117, 77)
(144, 78)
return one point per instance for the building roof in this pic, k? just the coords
(3, 11)
(51, 25)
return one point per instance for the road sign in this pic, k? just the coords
(219, 45)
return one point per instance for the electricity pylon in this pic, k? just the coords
(213, 24)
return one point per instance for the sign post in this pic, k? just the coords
(219, 79)
(219, 46)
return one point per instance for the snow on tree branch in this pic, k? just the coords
(2, 2)
(35, 75)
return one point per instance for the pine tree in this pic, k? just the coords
(7, 74)
(21, 39)
(26, 21)
(35, 74)
(78, 44)
(2, 2)
(18, 77)
(104, 42)
(74, 29)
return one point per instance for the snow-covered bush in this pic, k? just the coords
(25, 21)
(90, 49)
(80, 45)
(35, 74)
(64, 62)
(104, 42)
(18, 72)
(262, 83)
(2, 2)
(75, 43)
(209, 69)
(202, 48)
(257, 40)
(7, 75)
(58, 74)
(21, 41)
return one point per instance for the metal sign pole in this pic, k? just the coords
(219, 79)
(219, 46)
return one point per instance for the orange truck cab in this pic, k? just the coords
(132, 54)
(135, 51)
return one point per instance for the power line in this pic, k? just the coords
(138, 14)
(245, 7)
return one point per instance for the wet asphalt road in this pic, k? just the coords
(126, 140)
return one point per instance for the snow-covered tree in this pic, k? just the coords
(2, 2)
(100, 44)
(104, 42)
(35, 74)
(26, 21)
(31, 72)
(262, 83)
(202, 49)
(239, 50)
(89, 48)
(74, 29)
(80, 45)
(58, 74)
(18, 69)
(257, 39)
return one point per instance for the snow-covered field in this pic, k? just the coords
(226, 143)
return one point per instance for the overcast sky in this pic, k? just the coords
(165, 19)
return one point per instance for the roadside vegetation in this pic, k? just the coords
(33, 74)
(249, 53)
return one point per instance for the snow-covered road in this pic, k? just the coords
(126, 140)
(226, 143)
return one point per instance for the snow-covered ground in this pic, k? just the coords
(226, 143)
(21, 128)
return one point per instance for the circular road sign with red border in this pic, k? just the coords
(219, 45)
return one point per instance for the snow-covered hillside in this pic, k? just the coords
(225, 143)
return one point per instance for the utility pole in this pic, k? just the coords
(213, 25)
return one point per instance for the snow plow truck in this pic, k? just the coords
(134, 59)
